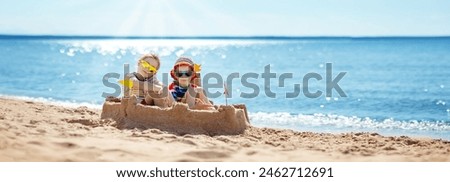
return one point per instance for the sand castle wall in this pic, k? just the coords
(226, 120)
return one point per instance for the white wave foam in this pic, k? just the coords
(336, 121)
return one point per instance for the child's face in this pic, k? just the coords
(184, 74)
(148, 67)
(153, 62)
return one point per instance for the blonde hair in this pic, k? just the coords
(151, 56)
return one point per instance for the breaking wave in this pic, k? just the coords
(283, 119)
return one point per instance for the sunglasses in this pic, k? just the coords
(185, 73)
(148, 66)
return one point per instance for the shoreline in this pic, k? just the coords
(36, 131)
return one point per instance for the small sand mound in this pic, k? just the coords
(179, 119)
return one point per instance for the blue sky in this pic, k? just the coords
(226, 17)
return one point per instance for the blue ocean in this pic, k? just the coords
(393, 86)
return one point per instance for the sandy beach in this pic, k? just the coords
(34, 131)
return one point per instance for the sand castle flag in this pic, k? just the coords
(225, 90)
(197, 68)
(127, 83)
(225, 93)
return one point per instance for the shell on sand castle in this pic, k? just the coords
(226, 120)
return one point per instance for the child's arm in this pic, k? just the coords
(152, 85)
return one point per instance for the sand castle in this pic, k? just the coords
(179, 119)
(186, 110)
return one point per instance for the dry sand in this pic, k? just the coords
(33, 131)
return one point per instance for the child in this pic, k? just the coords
(145, 85)
(183, 89)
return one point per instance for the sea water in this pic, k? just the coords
(393, 86)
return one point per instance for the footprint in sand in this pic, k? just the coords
(35, 143)
(66, 145)
(207, 154)
(187, 160)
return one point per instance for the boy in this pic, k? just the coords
(183, 89)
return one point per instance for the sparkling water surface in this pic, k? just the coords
(394, 86)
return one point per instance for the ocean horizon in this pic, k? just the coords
(265, 37)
